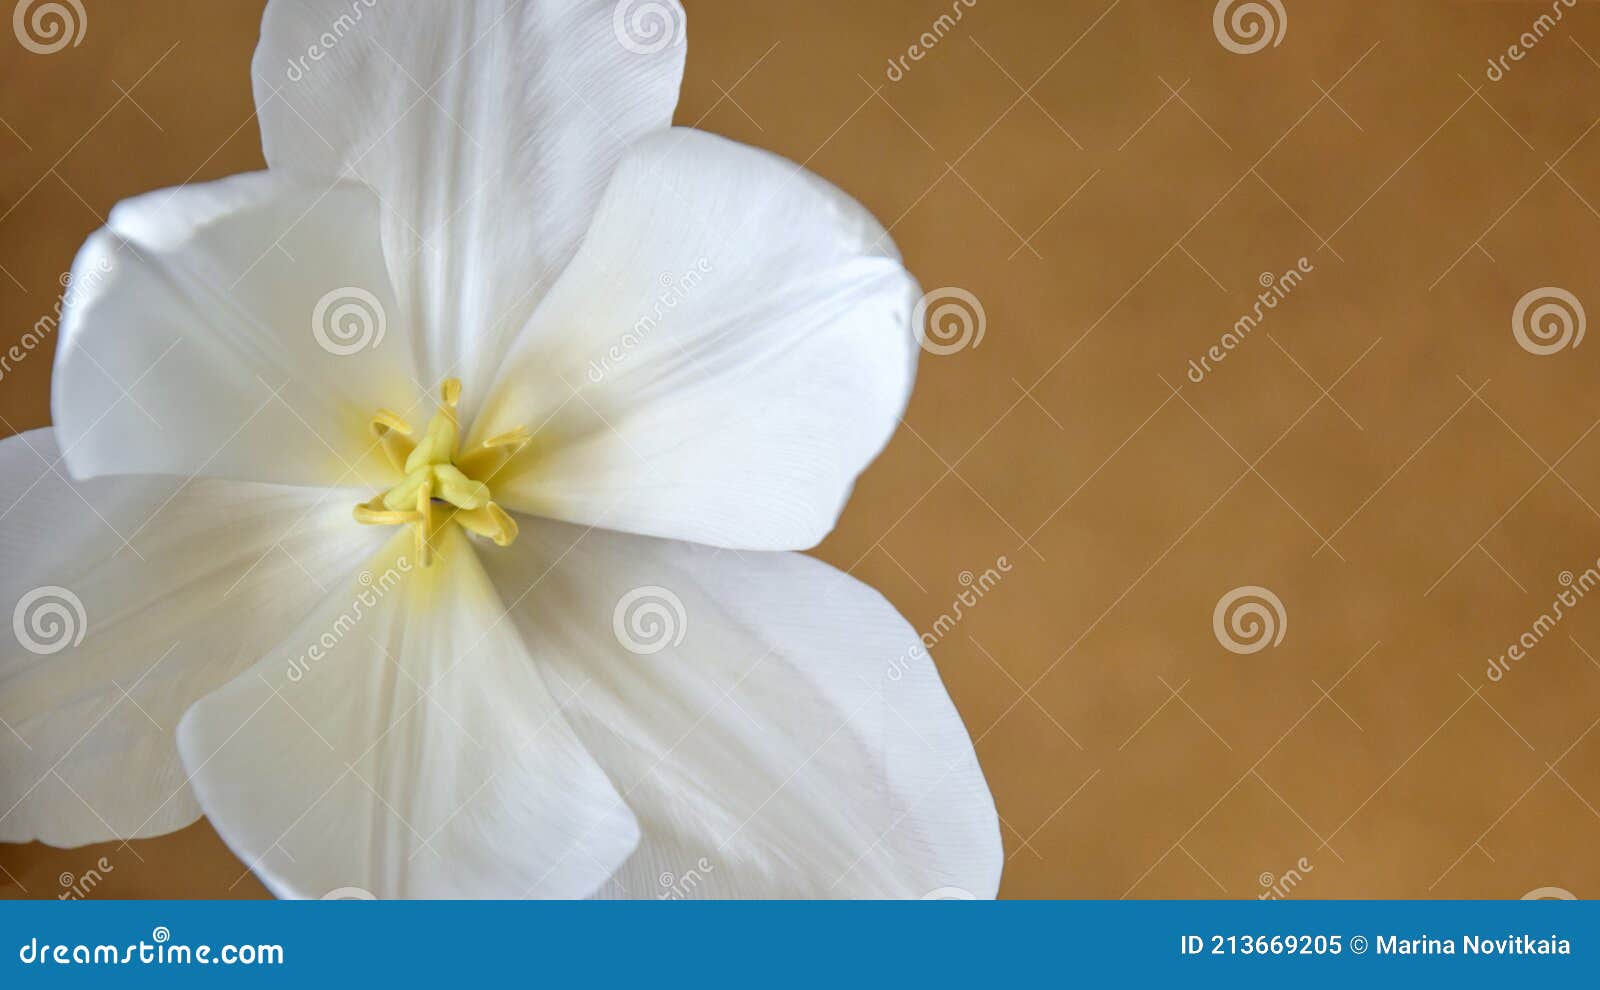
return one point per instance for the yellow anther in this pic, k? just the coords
(435, 476)
(373, 513)
(487, 458)
(438, 443)
(383, 421)
(394, 435)
(491, 521)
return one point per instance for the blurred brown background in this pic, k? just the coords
(1114, 185)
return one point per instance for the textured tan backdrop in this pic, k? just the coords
(1110, 182)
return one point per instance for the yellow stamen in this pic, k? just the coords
(373, 513)
(458, 489)
(491, 521)
(394, 434)
(436, 476)
(488, 457)
(422, 532)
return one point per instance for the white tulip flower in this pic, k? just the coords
(427, 504)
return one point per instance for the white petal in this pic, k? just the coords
(779, 733)
(729, 349)
(489, 129)
(209, 578)
(205, 333)
(401, 740)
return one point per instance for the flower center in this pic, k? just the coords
(441, 483)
